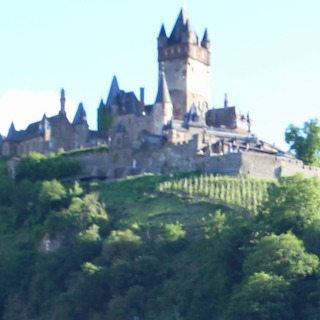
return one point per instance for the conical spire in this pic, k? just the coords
(162, 32)
(12, 131)
(101, 105)
(163, 95)
(206, 36)
(205, 40)
(162, 39)
(191, 36)
(44, 117)
(81, 116)
(179, 27)
(114, 90)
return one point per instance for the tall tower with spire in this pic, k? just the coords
(186, 61)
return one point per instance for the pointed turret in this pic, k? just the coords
(114, 90)
(101, 105)
(43, 123)
(163, 104)
(163, 95)
(179, 27)
(44, 117)
(162, 32)
(162, 38)
(188, 34)
(62, 102)
(12, 131)
(81, 117)
(206, 43)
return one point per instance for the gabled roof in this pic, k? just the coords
(190, 116)
(81, 116)
(35, 129)
(163, 94)
(114, 90)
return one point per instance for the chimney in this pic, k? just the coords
(142, 96)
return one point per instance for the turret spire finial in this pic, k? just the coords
(62, 101)
(226, 100)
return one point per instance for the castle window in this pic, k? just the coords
(179, 50)
(165, 52)
(172, 50)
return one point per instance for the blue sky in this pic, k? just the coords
(265, 55)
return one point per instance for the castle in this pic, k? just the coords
(178, 131)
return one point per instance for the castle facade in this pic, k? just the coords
(180, 115)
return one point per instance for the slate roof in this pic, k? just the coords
(127, 102)
(179, 27)
(94, 135)
(114, 91)
(35, 129)
(162, 32)
(163, 94)
(80, 117)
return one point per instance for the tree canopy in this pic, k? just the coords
(305, 141)
(127, 250)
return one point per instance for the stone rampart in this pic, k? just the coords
(183, 157)
(258, 165)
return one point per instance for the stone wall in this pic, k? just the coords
(183, 157)
(124, 162)
(258, 165)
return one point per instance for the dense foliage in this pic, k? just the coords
(305, 141)
(36, 166)
(132, 250)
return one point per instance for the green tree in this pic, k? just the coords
(282, 255)
(262, 297)
(293, 204)
(35, 166)
(121, 244)
(173, 232)
(305, 142)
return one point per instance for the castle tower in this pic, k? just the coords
(186, 60)
(163, 108)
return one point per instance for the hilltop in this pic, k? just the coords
(173, 246)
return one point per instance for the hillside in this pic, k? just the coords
(157, 247)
